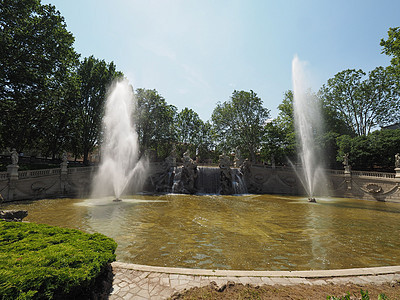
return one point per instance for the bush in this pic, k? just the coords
(46, 262)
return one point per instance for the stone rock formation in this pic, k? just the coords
(189, 173)
(13, 215)
(164, 178)
(225, 175)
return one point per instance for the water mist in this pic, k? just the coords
(308, 120)
(120, 169)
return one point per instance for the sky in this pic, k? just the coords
(195, 53)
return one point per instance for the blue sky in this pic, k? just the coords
(197, 52)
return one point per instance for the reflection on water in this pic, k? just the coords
(252, 232)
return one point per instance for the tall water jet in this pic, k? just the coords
(308, 121)
(120, 167)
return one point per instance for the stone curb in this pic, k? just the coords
(239, 273)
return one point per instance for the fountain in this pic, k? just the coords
(121, 167)
(307, 118)
(247, 232)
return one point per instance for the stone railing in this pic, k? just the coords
(38, 173)
(335, 172)
(3, 175)
(373, 174)
(80, 170)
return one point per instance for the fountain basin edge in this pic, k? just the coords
(240, 273)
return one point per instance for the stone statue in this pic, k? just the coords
(164, 179)
(346, 160)
(224, 161)
(252, 185)
(397, 160)
(64, 157)
(225, 175)
(189, 173)
(14, 157)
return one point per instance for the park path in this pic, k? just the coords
(140, 282)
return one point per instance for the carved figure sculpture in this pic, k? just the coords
(65, 157)
(397, 160)
(164, 179)
(189, 174)
(346, 160)
(225, 175)
(14, 157)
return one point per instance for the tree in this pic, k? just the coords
(188, 126)
(376, 150)
(391, 46)
(59, 115)
(35, 51)
(362, 104)
(95, 77)
(189, 129)
(279, 141)
(154, 122)
(239, 123)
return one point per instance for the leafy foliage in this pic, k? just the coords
(36, 55)
(362, 103)
(154, 122)
(371, 151)
(239, 123)
(193, 133)
(364, 296)
(42, 262)
(391, 46)
(95, 77)
(279, 142)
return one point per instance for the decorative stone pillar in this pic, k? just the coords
(397, 166)
(347, 171)
(12, 171)
(64, 174)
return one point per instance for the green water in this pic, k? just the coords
(254, 232)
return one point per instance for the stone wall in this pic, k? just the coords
(259, 179)
(360, 185)
(47, 183)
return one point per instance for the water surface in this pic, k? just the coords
(252, 232)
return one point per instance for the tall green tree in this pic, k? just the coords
(95, 77)
(35, 51)
(363, 103)
(391, 46)
(189, 129)
(279, 142)
(154, 120)
(239, 123)
(193, 134)
(280, 139)
(59, 115)
(188, 126)
(375, 150)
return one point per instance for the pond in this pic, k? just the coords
(249, 232)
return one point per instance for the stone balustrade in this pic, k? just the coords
(260, 179)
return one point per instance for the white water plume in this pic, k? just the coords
(120, 168)
(308, 120)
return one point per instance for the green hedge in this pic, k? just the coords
(45, 262)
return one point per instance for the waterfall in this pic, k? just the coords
(239, 186)
(177, 179)
(208, 180)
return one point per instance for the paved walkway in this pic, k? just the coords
(147, 282)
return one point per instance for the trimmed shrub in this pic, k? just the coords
(46, 262)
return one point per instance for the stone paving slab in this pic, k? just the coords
(147, 282)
